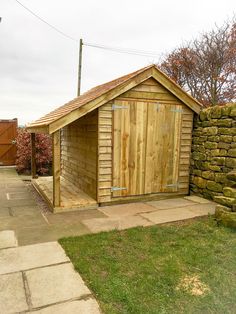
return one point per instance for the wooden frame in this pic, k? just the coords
(56, 155)
(33, 160)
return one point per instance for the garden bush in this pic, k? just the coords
(43, 155)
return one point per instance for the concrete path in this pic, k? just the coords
(23, 211)
(40, 278)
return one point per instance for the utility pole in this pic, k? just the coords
(80, 66)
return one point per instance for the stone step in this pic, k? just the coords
(31, 256)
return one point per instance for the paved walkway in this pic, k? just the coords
(40, 279)
(21, 211)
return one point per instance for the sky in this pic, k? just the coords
(38, 66)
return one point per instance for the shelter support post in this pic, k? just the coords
(33, 153)
(56, 155)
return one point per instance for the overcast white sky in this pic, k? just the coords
(38, 67)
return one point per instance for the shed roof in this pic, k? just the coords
(101, 94)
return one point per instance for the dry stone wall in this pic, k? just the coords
(214, 154)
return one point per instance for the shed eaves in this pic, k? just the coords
(104, 93)
(83, 99)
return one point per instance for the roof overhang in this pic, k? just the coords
(152, 71)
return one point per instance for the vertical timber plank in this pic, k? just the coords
(56, 153)
(33, 152)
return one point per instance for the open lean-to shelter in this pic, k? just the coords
(126, 140)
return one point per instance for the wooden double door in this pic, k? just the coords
(146, 147)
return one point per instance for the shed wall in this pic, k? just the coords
(79, 153)
(149, 91)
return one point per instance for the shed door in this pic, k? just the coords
(146, 145)
(8, 142)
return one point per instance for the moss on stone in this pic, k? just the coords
(208, 175)
(199, 182)
(214, 168)
(231, 175)
(223, 123)
(223, 145)
(213, 138)
(227, 131)
(230, 162)
(215, 112)
(226, 218)
(220, 177)
(210, 145)
(229, 192)
(214, 186)
(220, 161)
(225, 200)
(226, 138)
(213, 130)
(232, 152)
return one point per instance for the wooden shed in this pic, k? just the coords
(126, 140)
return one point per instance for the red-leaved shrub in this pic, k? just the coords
(43, 154)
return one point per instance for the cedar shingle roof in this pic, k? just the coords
(84, 99)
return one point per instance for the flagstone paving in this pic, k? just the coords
(39, 278)
(21, 212)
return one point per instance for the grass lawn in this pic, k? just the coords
(180, 268)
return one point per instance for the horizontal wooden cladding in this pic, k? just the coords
(79, 153)
(149, 95)
(185, 150)
(104, 152)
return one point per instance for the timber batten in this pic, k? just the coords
(130, 142)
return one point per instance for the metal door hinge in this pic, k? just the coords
(176, 110)
(114, 107)
(116, 188)
(172, 185)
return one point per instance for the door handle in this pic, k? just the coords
(13, 142)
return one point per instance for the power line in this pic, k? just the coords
(124, 50)
(45, 22)
(115, 49)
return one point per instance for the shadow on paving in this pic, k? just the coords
(23, 211)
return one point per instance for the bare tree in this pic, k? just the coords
(206, 67)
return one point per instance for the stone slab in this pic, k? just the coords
(49, 285)
(203, 209)
(89, 306)
(107, 224)
(12, 294)
(180, 213)
(31, 256)
(197, 199)
(25, 210)
(48, 233)
(169, 215)
(126, 209)
(170, 203)
(73, 217)
(19, 202)
(7, 239)
(21, 222)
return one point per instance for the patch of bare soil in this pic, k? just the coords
(193, 285)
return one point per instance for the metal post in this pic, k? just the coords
(80, 66)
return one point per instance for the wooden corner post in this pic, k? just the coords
(33, 152)
(56, 155)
